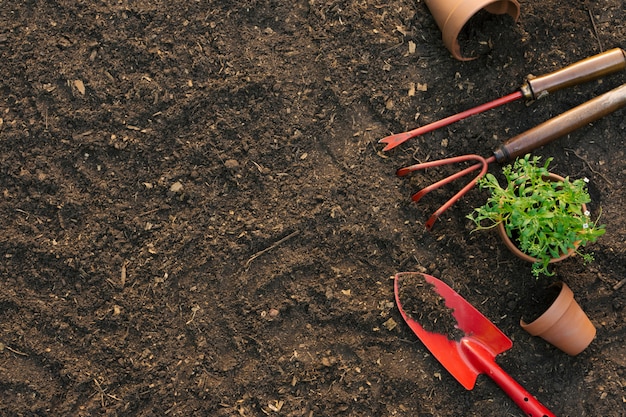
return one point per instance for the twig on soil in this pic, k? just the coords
(145, 213)
(10, 349)
(100, 390)
(595, 29)
(102, 393)
(194, 310)
(23, 212)
(589, 166)
(269, 248)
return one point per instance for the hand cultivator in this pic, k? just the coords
(520, 145)
(534, 88)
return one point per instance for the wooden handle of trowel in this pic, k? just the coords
(588, 69)
(562, 125)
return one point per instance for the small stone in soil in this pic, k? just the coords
(421, 302)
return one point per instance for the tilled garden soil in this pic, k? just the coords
(197, 218)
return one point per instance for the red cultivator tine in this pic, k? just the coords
(482, 164)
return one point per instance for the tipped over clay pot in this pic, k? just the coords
(564, 324)
(452, 15)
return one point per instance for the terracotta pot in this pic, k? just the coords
(452, 15)
(517, 252)
(564, 324)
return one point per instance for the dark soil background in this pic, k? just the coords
(197, 218)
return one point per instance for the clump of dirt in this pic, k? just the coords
(421, 302)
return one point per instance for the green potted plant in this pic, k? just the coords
(543, 214)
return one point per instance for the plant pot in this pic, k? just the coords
(517, 252)
(564, 324)
(452, 15)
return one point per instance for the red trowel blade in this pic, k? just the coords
(475, 352)
(469, 320)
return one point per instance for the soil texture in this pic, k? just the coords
(198, 220)
(421, 302)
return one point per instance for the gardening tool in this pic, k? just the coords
(520, 145)
(475, 352)
(533, 88)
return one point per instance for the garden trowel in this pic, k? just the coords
(475, 352)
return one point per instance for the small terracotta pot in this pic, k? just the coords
(452, 15)
(564, 324)
(517, 252)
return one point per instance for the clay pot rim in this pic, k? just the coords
(553, 313)
(517, 252)
(459, 12)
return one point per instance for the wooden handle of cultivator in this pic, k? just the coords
(562, 124)
(588, 69)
